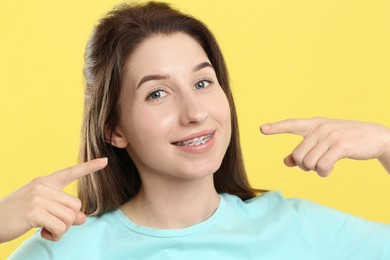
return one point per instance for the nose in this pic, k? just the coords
(192, 110)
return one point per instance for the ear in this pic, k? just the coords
(115, 137)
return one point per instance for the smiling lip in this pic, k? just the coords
(195, 135)
(196, 143)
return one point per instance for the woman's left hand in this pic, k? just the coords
(328, 140)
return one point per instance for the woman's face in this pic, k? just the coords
(175, 117)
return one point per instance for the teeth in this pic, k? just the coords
(196, 141)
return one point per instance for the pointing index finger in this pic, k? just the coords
(291, 126)
(66, 176)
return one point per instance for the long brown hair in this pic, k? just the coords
(112, 42)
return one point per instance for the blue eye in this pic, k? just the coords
(201, 84)
(157, 94)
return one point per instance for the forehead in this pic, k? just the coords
(165, 54)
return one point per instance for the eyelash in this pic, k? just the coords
(149, 97)
(209, 81)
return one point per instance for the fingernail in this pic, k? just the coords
(265, 127)
(103, 159)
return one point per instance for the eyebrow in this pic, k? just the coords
(151, 77)
(164, 76)
(202, 65)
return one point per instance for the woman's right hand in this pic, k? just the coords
(42, 203)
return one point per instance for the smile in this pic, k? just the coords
(196, 141)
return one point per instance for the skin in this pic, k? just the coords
(41, 203)
(328, 140)
(185, 99)
(30, 205)
(182, 109)
(182, 182)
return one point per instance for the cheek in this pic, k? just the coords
(221, 109)
(220, 112)
(146, 126)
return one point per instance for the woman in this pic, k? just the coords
(158, 105)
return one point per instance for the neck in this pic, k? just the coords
(177, 204)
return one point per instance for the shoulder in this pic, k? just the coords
(318, 227)
(274, 208)
(77, 239)
(91, 231)
(33, 248)
(273, 202)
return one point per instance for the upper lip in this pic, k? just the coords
(194, 135)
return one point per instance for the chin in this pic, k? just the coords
(199, 171)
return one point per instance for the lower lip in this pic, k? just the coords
(198, 149)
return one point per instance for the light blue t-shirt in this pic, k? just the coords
(265, 227)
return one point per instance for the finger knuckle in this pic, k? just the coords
(38, 180)
(36, 189)
(35, 200)
(297, 156)
(74, 204)
(341, 148)
(70, 215)
(309, 163)
(318, 119)
(72, 170)
(77, 204)
(59, 229)
(335, 136)
(324, 129)
(69, 219)
(33, 213)
(323, 168)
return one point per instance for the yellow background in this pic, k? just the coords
(287, 59)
